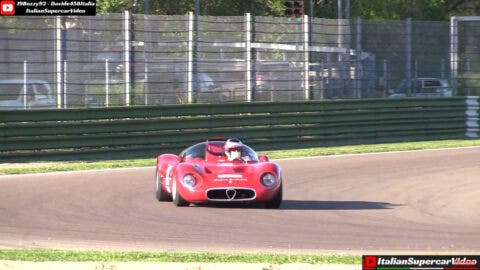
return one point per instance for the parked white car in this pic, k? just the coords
(38, 94)
(423, 88)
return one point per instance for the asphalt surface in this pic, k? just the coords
(408, 202)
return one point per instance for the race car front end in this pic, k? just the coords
(235, 183)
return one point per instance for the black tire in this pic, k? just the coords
(276, 202)
(160, 193)
(177, 198)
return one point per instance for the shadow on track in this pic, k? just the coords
(335, 205)
(309, 205)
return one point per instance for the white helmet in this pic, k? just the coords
(233, 149)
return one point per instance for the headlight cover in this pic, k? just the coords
(268, 180)
(189, 180)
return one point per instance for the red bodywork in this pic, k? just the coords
(216, 178)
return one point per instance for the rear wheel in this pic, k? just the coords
(160, 193)
(177, 198)
(276, 202)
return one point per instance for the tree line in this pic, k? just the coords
(433, 10)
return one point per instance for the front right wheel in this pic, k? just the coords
(160, 193)
(178, 200)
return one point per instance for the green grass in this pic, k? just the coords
(43, 255)
(57, 166)
(42, 167)
(373, 148)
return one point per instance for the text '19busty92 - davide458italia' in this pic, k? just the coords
(218, 170)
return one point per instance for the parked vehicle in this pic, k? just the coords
(423, 88)
(218, 170)
(95, 69)
(277, 81)
(38, 94)
(167, 87)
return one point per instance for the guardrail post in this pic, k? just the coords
(472, 117)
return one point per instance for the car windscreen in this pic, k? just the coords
(10, 91)
(248, 153)
(432, 83)
(195, 151)
(401, 87)
(431, 86)
(215, 148)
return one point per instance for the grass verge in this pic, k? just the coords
(42, 167)
(44, 255)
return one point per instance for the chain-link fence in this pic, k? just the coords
(125, 59)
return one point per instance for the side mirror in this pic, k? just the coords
(179, 159)
(263, 158)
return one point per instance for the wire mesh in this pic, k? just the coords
(84, 60)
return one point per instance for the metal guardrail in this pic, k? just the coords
(147, 131)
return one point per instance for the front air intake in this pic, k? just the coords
(231, 194)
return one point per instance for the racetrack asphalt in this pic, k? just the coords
(404, 202)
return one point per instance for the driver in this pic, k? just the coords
(233, 149)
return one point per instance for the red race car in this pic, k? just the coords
(218, 170)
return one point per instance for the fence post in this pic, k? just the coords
(145, 84)
(25, 84)
(107, 82)
(408, 55)
(415, 69)
(442, 68)
(466, 68)
(454, 53)
(358, 58)
(306, 60)
(385, 77)
(339, 29)
(190, 59)
(126, 56)
(65, 84)
(320, 78)
(60, 47)
(196, 26)
(248, 56)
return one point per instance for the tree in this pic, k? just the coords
(385, 9)
(208, 7)
(463, 7)
(366, 9)
(400, 9)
